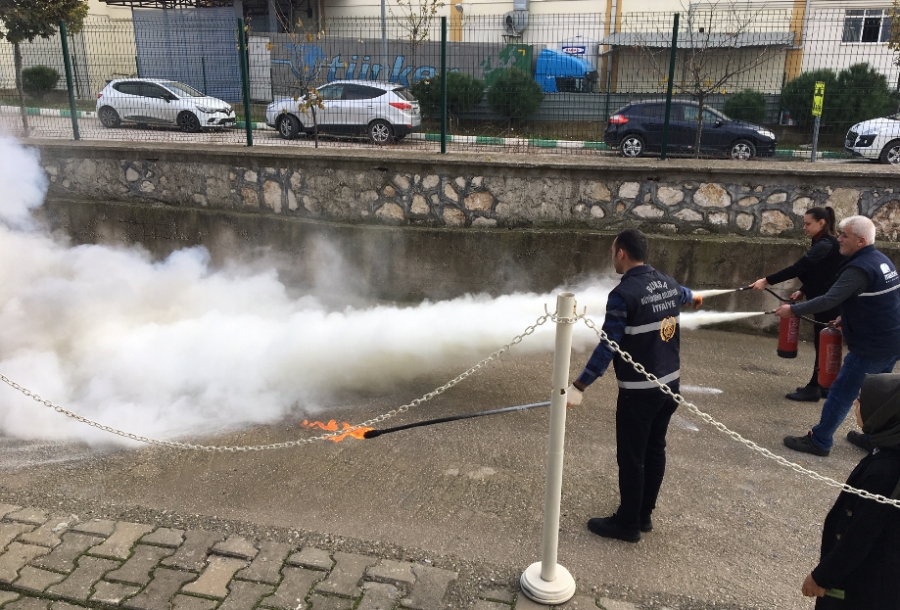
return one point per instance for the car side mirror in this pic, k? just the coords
(718, 123)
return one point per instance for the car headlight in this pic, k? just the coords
(766, 133)
(209, 110)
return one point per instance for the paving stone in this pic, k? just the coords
(236, 546)
(11, 531)
(483, 604)
(118, 545)
(77, 586)
(311, 557)
(345, 576)
(192, 554)
(7, 596)
(158, 594)
(165, 536)
(62, 558)
(266, 567)
(28, 603)
(136, 571)
(187, 602)
(16, 557)
(61, 605)
(615, 604)
(330, 602)
(580, 602)
(244, 595)
(379, 596)
(213, 582)
(49, 533)
(98, 527)
(33, 516)
(112, 593)
(498, 595)
(36, 579)
(291, 593)
(5, 509)
(394, 572)
(523, 603)
(430, 588)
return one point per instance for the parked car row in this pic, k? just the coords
(387, 112)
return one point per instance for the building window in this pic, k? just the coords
(867, 26)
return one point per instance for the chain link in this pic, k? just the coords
(295, 443)
(731, 433)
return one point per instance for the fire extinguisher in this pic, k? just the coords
(788, 332)
(830, 355)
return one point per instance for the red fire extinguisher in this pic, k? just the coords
(830, 355)
(788, 332)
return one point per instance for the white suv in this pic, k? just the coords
(161, 102)
(876, 139)
(384, 111)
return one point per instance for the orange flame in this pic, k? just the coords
(332, 426)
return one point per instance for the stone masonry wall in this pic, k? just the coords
(399, 187)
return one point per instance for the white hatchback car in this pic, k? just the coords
(161, 102)
(386, 112)
(876, 139)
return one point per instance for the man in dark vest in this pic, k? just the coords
(642, 316)
(867, 290)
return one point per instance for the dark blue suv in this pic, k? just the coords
(637, 128)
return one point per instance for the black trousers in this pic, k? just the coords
(642, 420)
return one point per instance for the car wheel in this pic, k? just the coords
(742, 150)
(891, 153)
(380, 132)
(188, 122)
(109, 117)
(288, 126)
(632, 145)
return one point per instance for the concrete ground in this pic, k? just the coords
(733, 529)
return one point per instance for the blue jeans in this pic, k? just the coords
(844, 391)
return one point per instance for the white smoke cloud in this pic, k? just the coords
(174, 347)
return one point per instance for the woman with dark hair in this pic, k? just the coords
(860, 557)
(817, 271)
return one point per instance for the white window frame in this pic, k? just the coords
(860, 16)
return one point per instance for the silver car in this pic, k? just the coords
(161, 102)
(385, 112)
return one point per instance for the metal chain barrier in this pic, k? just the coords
(295, 443)
(724, 429)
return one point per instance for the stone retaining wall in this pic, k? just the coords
(399, 186)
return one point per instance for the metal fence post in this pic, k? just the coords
(68, 64)
(245, 81)
(203, 67)
(665, 133)
(443, 85)
(547, 582)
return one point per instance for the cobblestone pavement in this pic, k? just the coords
(53, 562)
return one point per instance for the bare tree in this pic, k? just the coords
(306, 61)
(416, 20)
(716, 43)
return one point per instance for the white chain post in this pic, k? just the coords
(547, 582)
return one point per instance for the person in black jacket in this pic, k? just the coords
(817, 270)
(860, 558)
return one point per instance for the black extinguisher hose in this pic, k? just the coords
(783, 300)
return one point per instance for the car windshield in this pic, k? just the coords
(181, 90)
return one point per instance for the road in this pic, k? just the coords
(733, 529)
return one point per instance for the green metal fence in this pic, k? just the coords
(515, 82)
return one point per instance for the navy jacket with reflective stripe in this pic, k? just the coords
(652, 330)
(870, 321)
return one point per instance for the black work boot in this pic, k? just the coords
(810, 393)
(805, 444)
(608, 527)
(860, 440)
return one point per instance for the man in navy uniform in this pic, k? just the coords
(868, 292)
(642, 316)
